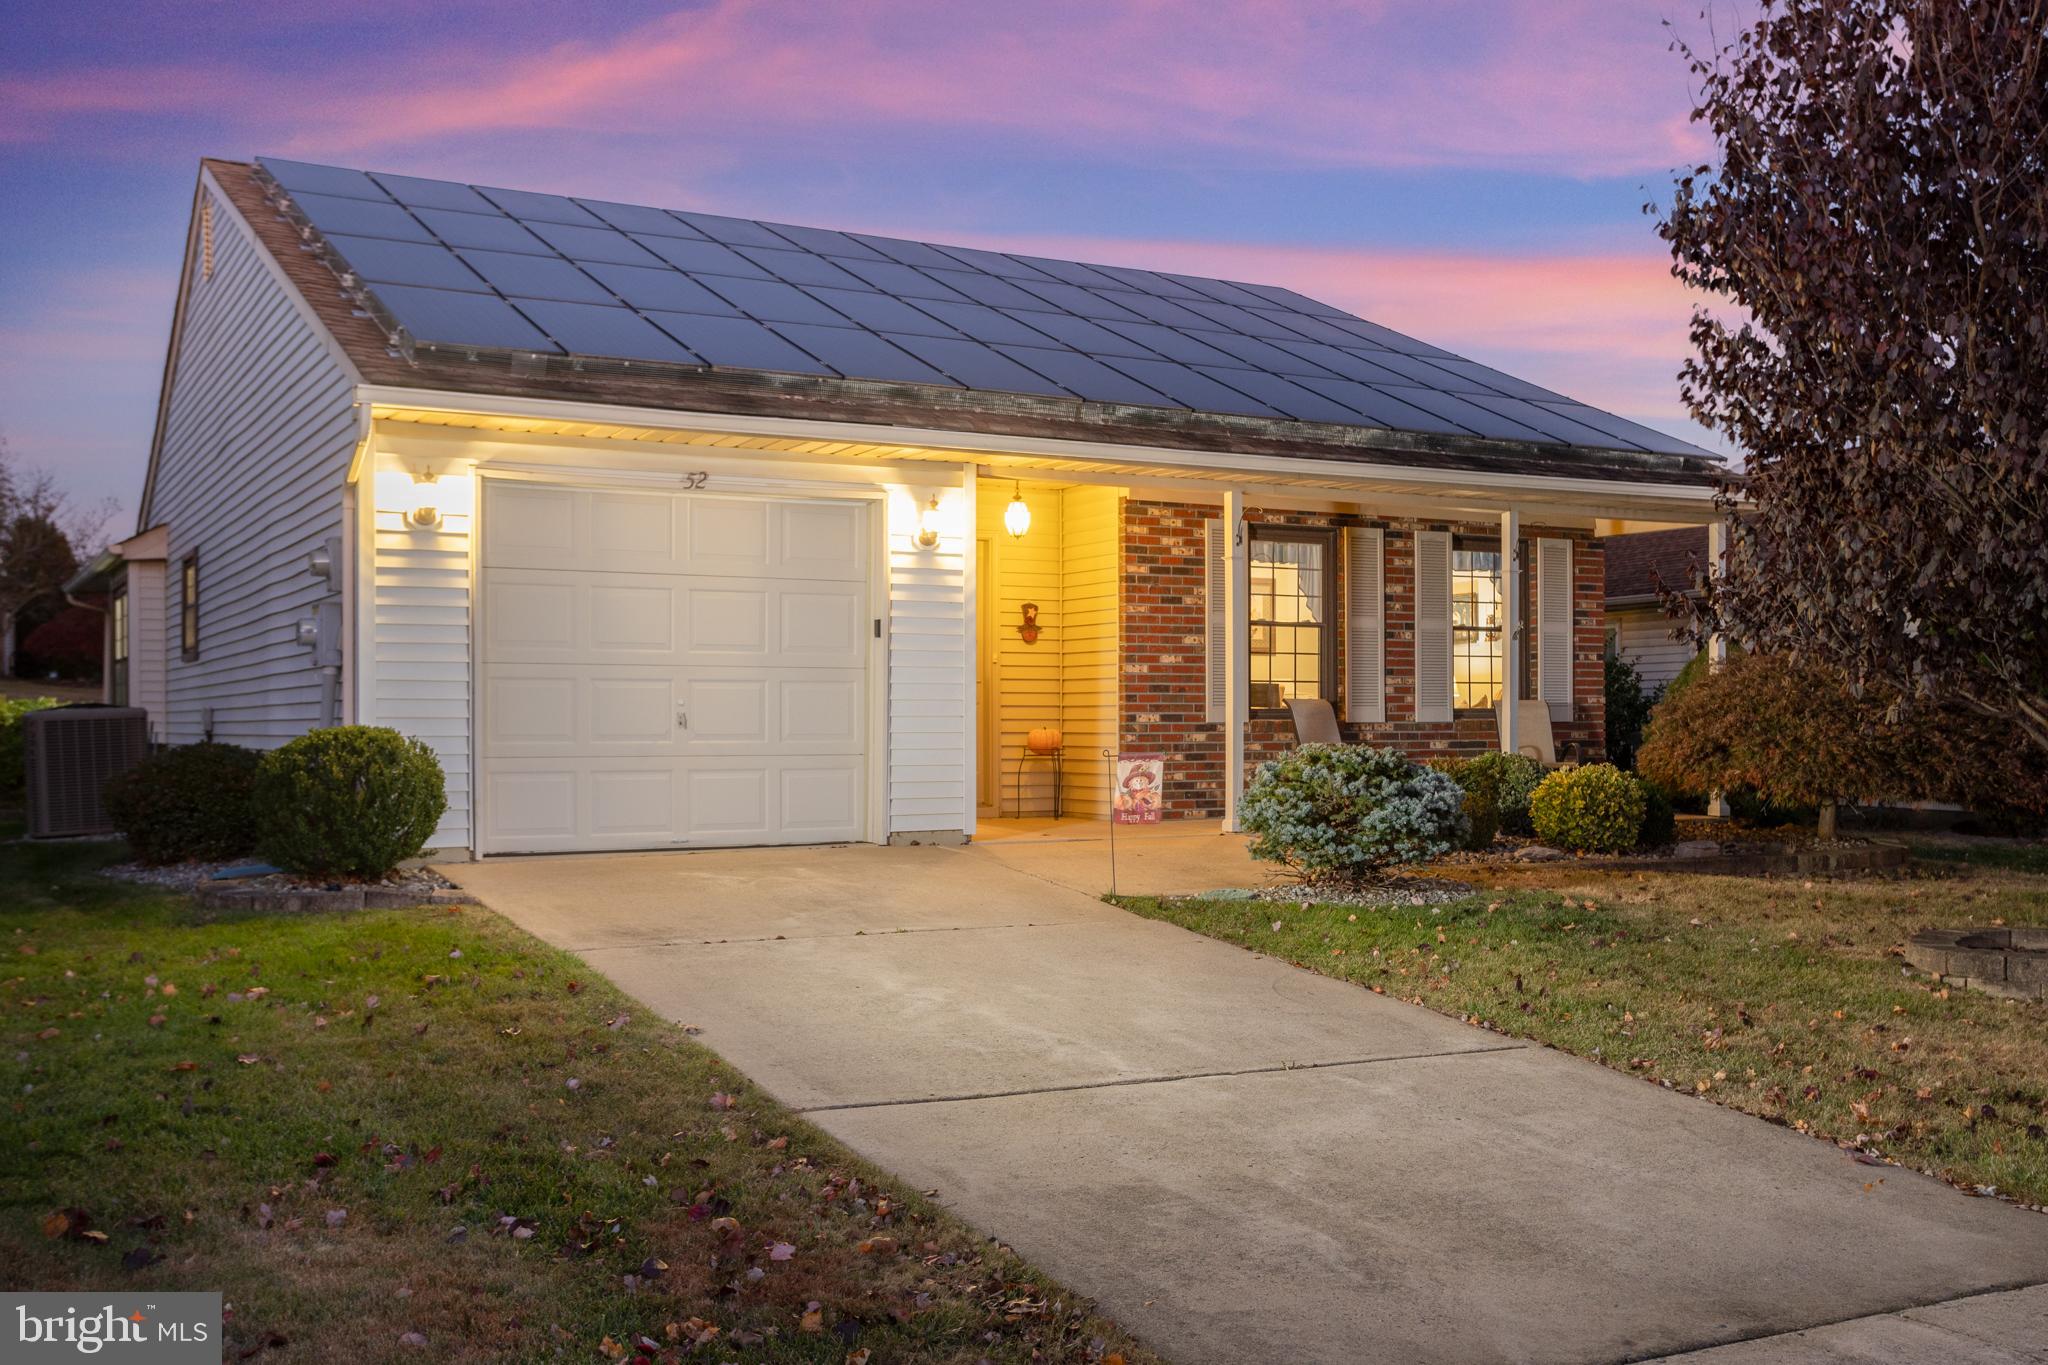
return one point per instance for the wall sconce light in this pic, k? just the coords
(425, 512)
(1017, 516)
(927, 537)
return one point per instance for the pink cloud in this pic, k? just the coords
(1582, 86)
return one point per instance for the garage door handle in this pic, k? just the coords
(682, 717)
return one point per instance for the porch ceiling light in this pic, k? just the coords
(928, 525)
(1017, 516)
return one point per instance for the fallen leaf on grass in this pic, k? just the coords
(414, 1339)
(781, 1251)
(336, 1217)
(813, 1319)
(723, 1101)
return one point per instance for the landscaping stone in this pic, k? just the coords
(1997, 961)
(1538, 853)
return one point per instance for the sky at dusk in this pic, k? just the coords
(1469, 171)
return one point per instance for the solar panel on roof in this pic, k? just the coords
(1153, 309)
(441, 315)
(984, 324)
(383, 261)
(881, 313)
(1193, 390)
(484, 231)
(988, 289)
(993, 263)
(541, 208)
(1090, 338)
(977, 366)
(303, 177)
(890, 277)
(587, 329)
(906, 252)
(1072, 298)
(1481, 421)
(731, 231)
(772, 301)
(632, 282)
(861, 355)
(598, 243)
(535, 277)
(700, 257)
(414, 192)
(826, 242)
(801, 267)
(361, 217)
(659, 288)
(638, 218)
(1091, 379)
(736, 343)
(1278, 394)
(1171, 344)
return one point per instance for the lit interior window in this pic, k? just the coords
(1477, 666)
(1288, 614)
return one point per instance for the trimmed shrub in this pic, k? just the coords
(1335, 811)
(1508, 780)
(353, 801)
(1628, 708)
(1482, 816)
(195, 801)
(1597, 808)
(13, 776)
(1660, 819)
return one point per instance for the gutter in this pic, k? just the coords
(1686, 502)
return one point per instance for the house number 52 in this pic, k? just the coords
(696, 478)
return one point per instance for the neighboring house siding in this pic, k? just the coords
(1163, 704)
(257, 436)
(1642, 635)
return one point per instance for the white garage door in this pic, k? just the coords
(663, 669)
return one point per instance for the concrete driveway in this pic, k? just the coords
(1239, 1160)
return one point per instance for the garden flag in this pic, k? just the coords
(1138, 780)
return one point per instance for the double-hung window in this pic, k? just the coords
(1292, 640)
(1478, 620)
(188, 608)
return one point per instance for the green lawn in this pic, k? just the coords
(1784, 998)
(365, 1126)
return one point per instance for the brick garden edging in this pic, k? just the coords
(295, 902)
(2008, 962)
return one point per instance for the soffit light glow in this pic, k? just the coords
(1017, 516)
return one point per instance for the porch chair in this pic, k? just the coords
(1532, 732)
(1315, 721)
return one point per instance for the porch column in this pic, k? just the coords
(1510, 630)
(1236, 653)
(1717, 643)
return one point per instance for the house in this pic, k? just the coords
(670, 529)
(1638, 630)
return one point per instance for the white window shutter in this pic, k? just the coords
(1365, 624)
(1433, 626)
(1554, 626)
(1215, 561)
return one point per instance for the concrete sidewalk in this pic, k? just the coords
(1239, 1160)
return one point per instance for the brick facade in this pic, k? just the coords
(1163, 706)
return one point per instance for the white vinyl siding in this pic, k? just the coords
(258, 432)
(1433, 626)
(1554, 626)
(1365, 625)
(1642, 635)
(148, 645)
(419, 588)
(1215, 639)
(929, 653)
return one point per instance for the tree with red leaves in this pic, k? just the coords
(1874, 248)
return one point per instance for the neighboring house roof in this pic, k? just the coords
(509, 292)
(1637, 564)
